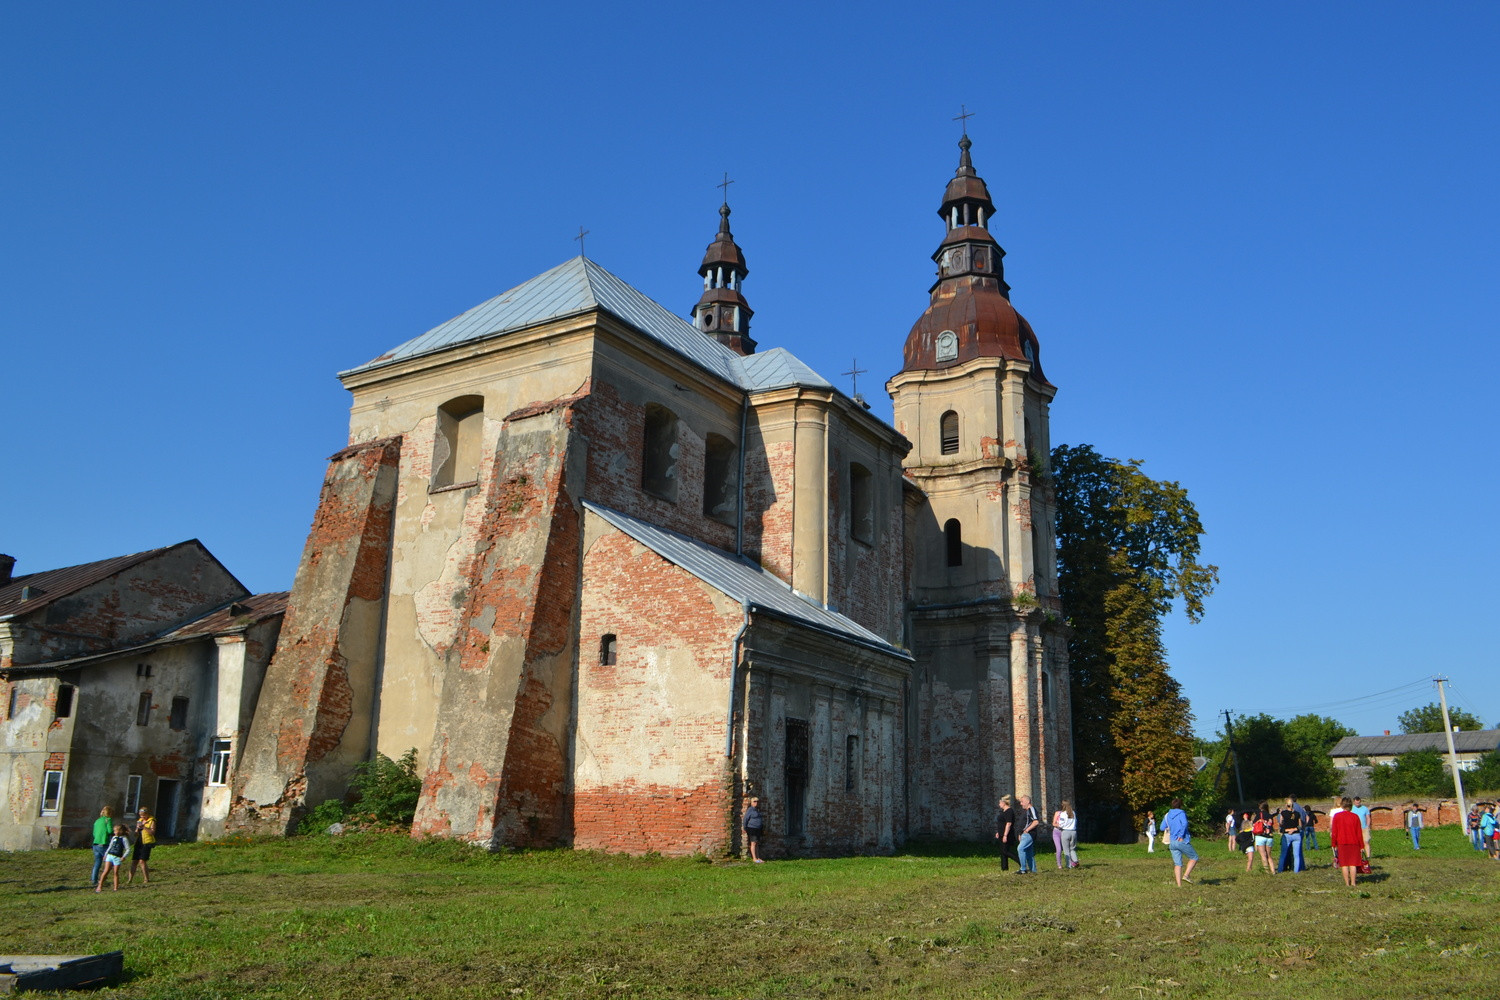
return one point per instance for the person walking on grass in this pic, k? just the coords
(145, 840)
(1150, 831)
(1414, 826)
(1008, 833)
(1029, 823)
(1473, 827)
(754, 825)
(104, 828)
(114, 856)
(1309, 834)
(1363, 812)
(1179, 842)
(1067, 823)
(1347, 837)
(1487, 830)
(1229, 830)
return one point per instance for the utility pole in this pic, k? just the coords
(1229, 732)
(1458, 781)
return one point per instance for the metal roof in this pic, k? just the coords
(49, 585)
(740, 578)
(573, 287)
(236, 616)
(1466, 741)
(578, 286)
(777, 368)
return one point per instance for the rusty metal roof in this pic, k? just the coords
(741, 579)
(49, 585)
(233, 617)
(1465, 741)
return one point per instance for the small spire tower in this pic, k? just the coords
(722, 312)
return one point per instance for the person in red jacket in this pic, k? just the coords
(1347, 836)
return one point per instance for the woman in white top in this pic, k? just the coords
(1066, 824)
(1150, 831)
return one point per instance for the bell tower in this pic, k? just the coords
(722, 312)
(986, 622)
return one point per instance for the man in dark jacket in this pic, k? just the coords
(1008, 832)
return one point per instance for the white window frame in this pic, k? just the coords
(52, 782)
(219, 758)
(132, 795)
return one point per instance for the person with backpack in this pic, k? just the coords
(1261, 827)
(114, 856)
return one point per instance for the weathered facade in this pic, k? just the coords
(611, 572)
(128, 682)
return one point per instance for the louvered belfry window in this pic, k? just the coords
(948, 429)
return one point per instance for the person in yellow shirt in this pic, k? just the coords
(145, 839)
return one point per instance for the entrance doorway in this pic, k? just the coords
(796, 777)
(166, 808)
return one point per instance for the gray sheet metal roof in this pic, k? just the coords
(739, 578)
(1469, 741)
(777, 368)
(578, 286)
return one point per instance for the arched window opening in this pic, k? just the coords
(861, 503)
(455, 449)
(659, 468)
(608, 650)
(954, 535)
(948, 428)
(720, 478)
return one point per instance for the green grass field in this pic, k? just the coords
(384, 916)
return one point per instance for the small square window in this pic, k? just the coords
(143, 710)
(178, 718)
(143, 670)
(51, 791)
(64, 700)
(132, 795)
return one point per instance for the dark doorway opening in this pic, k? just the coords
(796, 777)
(166, 808)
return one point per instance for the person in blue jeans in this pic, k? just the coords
(104, 828)
(1180, 843)
(1029, 822)
(1414, 826)
(1291, 839)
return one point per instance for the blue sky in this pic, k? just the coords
(1258, 245)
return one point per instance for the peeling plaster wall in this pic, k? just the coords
(649, 767)
(839, 690)
(313, 720)
(179, 584)
(497, 768)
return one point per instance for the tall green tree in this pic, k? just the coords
(1128, 547)
(1281, 757)
(1429, 719)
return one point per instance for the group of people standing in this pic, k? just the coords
(1484, 829)
(113, 841)
(1017, 825)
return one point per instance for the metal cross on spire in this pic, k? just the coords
(581, 234)
(725, 186)
(854, 372)
(963, 116)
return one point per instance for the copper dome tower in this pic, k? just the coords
(722, 312)
(970, 315)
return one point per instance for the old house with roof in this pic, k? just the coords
(611, 571)
(128, 682)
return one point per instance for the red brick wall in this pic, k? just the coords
(616, 429)
(650, 770)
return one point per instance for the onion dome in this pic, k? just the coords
(722, 312)
(970, 315)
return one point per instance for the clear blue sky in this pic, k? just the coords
(1258, 243)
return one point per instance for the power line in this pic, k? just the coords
(1394, 695)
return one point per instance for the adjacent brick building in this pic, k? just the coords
(611, 572)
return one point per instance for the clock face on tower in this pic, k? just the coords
(947, 346)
